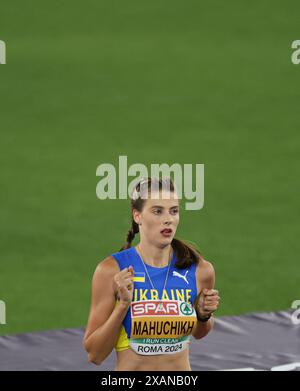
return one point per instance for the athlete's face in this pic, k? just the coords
(160, 212)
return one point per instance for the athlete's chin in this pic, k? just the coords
(166, 240)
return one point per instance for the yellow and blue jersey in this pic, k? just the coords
(157, 322)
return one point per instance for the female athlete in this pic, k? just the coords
(148, 300)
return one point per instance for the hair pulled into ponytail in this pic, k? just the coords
(186, 253)
(131, 234)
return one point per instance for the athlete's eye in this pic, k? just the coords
(157, 211)
(174, 211)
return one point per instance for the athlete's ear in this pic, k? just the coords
(136, 216)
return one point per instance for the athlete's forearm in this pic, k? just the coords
(202, 328)
(102, 341)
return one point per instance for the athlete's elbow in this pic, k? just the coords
(94, 359)
(200, 336)
(86, 346)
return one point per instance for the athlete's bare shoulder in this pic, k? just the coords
(108, 267)
(103, 277)
(205, 273)
(109, 262)
(205, 266)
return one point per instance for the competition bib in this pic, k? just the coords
(161, 326)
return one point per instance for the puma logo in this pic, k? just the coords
(176, 274)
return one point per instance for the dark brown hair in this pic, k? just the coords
(185, 252)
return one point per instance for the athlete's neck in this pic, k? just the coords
(155, 256)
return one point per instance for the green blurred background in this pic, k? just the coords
(159, 82)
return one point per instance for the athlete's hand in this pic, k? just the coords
(207, 302)
(124, 284)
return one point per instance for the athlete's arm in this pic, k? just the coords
(205, 275)
(104, 321)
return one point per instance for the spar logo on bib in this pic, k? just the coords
(161, 307)
(155, 307)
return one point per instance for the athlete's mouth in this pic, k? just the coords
(166, 231)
